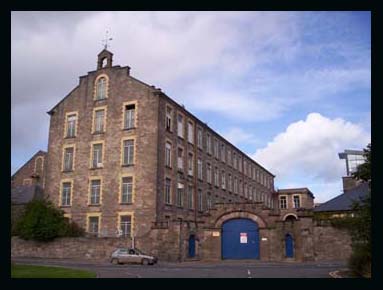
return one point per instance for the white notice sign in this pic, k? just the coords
(243, 238)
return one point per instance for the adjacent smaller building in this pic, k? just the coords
(292, 200)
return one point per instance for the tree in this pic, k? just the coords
(360, 225)
(42, 221)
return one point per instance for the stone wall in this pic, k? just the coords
(331, 244)
(71, 248)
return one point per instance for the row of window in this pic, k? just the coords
(185, 197)
(95, 191)
(283, 202)
(232, 184)
(216, 148)
(97, 154)
(99, 120)
(124, 227)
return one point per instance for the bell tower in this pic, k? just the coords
(104, 59)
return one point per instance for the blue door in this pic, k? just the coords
(240, 239)
(192, 246)
(289, 243)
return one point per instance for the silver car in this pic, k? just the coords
(128, 255)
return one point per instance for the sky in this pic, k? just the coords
(290, 89)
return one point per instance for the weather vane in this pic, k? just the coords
(105, 41)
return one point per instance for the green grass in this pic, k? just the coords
(28, 271)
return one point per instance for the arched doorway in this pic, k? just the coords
(289, 246)
(240, 239)
(191, 246)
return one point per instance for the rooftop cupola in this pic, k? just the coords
(105, 59)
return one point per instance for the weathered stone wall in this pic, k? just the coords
(331, 243)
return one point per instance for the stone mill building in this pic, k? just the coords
(132, 166)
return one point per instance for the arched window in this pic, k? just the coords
(101, 88)
(39, 165)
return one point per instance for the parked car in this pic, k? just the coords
(129, 255)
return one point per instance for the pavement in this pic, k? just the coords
(199, 269)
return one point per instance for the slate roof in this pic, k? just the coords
(344, 201)
(24, 193)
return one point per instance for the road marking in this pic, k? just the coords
(248, 273)
(334, 274)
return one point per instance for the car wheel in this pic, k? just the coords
(145, 261)
(115, 262)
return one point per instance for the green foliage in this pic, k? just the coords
(364, 170)
(28, 271)
(42, 221)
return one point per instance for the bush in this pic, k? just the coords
(360, 261)
(42, 221)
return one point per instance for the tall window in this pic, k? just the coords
(101, 89)
(229, 157)
(235, 185)
(71, 125)
(129, 119)
(223, 152)
(200, 200)
(190, 133)
(245, 189)
(199, 137)
(239, 163)
(216, 180)
(99, 121)
(68, 158)
(223, 180)
(97, 155)
(244, 167)
(282, 202)
(208, 173)
(66, 193)
(240, 187)
(230, 183)
(297, 202)
(168, 183)
(168, 154)
(93, 224)
(180, 195)
(216, 148)
(127, 189)
(180, 126)
(190, 164)
(95, 192)
(168, 123)
(190, 196)
(199, 168)
(126, 225)
(180, 158)
(208, 143)
(128, 156)
(235, 160)
(209, 201)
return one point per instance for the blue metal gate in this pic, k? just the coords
(192, 246)
(289, 246)
(240, 239)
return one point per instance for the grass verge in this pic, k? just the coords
(29, 271)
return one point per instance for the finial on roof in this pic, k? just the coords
(106, 39)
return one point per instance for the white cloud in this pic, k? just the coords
(237, 136)
(309, 149)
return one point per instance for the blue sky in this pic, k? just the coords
(291, 89)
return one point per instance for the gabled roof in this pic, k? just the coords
(344, 201)
(37, 153)
(24, 193)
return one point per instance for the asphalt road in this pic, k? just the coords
(222, 269)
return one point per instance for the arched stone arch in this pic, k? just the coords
(288, 215)
(240, 214)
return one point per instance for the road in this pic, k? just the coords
(196, 269)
